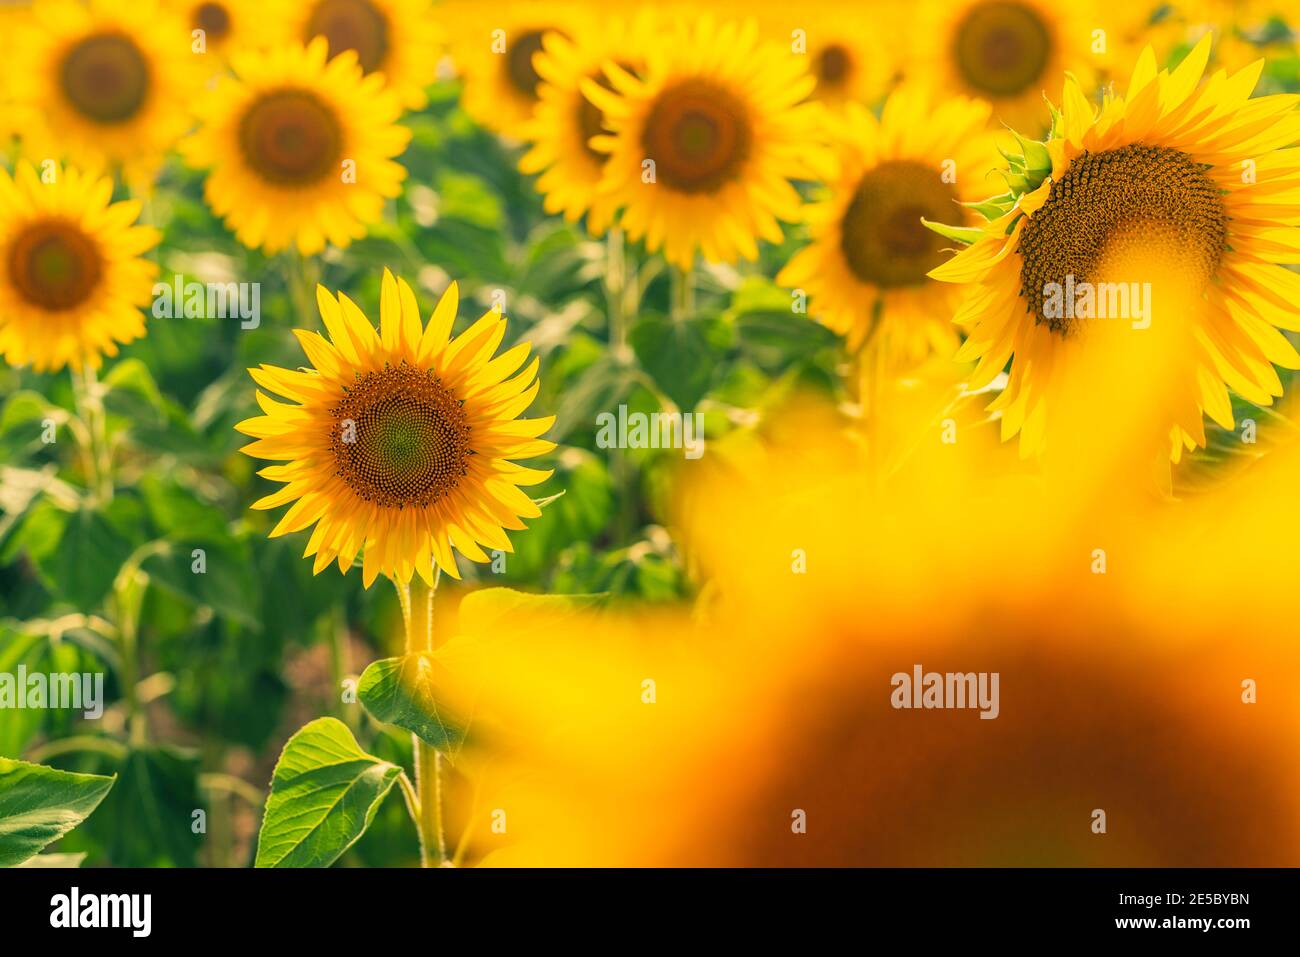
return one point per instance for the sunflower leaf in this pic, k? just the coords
(38, 805)
(401, 691)
(324, 793)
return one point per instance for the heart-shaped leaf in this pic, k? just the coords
(324, 794)
(401, 691)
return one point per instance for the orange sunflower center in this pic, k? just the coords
(351, 25)
(54, 265)
(291, 138)
(833, 65)
(400, 438)
(1001, 48)
(520, 71)
(882, 237)
(213, 19)
(1122, 197)
(105, 77)
(698, 134)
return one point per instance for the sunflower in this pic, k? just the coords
(703, 149)
(865, 269)
(100, 83)
(565, 121)
(1178, 189)
(398, 38)
(227, 25)
(844, 51)
(72, 279)
(1004, 51)
(401, 441)
(494, 50)
(300, 149)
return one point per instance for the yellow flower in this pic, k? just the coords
(300, 150)
(704, 148)
(565, 121)
(844, 48)
(72, 279)
(400, 444)
(227, 25)
(1005, 51)
(1175, 199)
(494, 49)
(397, 38)
(103, 84)
(865, 270)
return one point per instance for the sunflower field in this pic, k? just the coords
(565, 434)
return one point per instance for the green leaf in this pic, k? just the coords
(324, 794)
(221, 578)
(61, 861)
(960, 234)
(682, 356)
(401, 691)
(94, 546)
(38, 805)
(148, 819)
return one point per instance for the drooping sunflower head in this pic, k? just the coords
(400, 444)
(565, 120)
(399, 39)
(72, 279)
(495, 54)
(865, 269)
(300, 149)
(1006, 51)
(99, 83)
(1158, 225)
(704, 149)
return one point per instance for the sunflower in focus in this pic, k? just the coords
(227, 25)
(494, 53)
(72, 279)
(865, 269)
(100, 83)
(300, 148)
(400, 443)
(398, 38)
(565, 121)
(1005, 51)
(1177, 198)
(704, 148)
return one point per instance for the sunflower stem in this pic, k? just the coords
(682, 292)
(90, 407)
(427, 762)
(616, 291)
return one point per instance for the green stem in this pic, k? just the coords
(616, 290)
(682, 292)
(98, 456)
(426, 804)
(303, 275)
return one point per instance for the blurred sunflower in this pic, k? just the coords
(865, 269)
(100, 83)
(843, 50)
(565, 120)
(1004, 51)
(73, 279)
(703, 149)
(400, 445)
(227, 25)
(494, 51)
(1180, 187)
(398, 38)
(300, 149)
